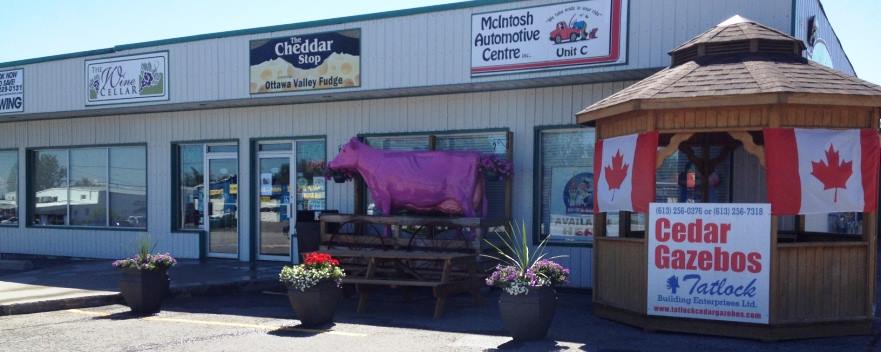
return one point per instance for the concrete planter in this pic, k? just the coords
(528, 317)
(316, 305)
(143, 290)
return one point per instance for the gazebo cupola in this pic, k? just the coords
(720, 108)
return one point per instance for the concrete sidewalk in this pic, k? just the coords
(79, 284)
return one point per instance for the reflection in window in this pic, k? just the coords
(88, 187)
(70, 187)
(838, 223)
(191, 179)
(311, 184)
(567, 185)
(8, 187)
(49, 184)
(128, 187)
(678, 180)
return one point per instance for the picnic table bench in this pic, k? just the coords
(393, 268)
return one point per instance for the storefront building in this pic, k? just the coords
(212, 143)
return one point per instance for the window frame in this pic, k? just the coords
(360, 201)
(18, 204)
(175, 225)
(30, 206)
(537, 178)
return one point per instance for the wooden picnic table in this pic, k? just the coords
(394, 268)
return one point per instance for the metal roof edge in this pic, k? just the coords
(260, 30)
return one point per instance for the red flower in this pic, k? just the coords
(316, 258)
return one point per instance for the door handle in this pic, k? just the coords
(292, 222)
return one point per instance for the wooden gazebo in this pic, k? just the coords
(721, 90)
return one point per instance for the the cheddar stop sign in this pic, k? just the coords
(709, 261)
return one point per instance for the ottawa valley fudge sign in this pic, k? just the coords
(552, 36)
(127, 79)
(306, 62)
(709, 261)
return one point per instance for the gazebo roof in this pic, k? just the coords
(738, 62)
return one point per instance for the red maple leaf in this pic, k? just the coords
(616, 173)
(833, 173)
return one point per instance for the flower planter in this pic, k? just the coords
(316, 305)
(143, 290)
(528, 316)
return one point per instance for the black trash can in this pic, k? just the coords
(309, 229)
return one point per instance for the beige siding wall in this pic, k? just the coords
(518, 110)
(414, 51)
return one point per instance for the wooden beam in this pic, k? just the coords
(672, 147)
(749, 145)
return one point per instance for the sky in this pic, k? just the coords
(35, 28)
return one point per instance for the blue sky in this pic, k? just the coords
(34, 28)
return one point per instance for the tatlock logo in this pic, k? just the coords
(134, 78)
(11, 91)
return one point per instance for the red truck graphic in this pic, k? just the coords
(572, 31)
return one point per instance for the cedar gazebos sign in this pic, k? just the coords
(761, 222)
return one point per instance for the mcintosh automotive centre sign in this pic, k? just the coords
(543, 37)
(11, 91)
(709, 261)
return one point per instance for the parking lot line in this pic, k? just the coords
(230, 324)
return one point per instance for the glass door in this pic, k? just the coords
(221, 207)
(274, 199)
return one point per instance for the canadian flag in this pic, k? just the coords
(624, 173)
(814, 171)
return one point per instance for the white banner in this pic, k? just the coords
(12, 91)
(709, 261)
(541, 37)
(127, 79)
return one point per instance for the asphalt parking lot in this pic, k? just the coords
(264, 322)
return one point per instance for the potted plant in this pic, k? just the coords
(314, 288)
(527, 279)
(495, 168)
(144, 281)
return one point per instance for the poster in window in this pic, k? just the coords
(571, 210)
(266, 184)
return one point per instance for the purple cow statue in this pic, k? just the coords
(418, 181)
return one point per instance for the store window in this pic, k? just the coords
(565, 184)
(8, 187)
(89, 187)
(311, 184)
(494, 142)
(188, 189)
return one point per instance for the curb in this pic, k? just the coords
(191, 290)
(60, 304)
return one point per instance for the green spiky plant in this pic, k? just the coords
(514, 249)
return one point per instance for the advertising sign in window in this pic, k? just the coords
(127, 79)
(709, 261)
(11, 91)
(571, 214)
(306, 62)
(561, 35)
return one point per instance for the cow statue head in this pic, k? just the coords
(347, 159)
